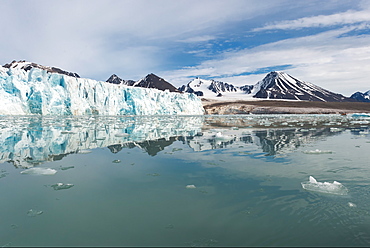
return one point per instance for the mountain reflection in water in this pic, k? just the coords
(31, 140)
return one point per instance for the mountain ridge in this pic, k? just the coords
(275, 85)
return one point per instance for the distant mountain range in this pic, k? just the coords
(275, 85)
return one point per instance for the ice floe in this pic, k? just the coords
(39, 171)
(317, 151)
(335, 187)
(352, 205)
(60, 186)
(190, 186)
(34, 213)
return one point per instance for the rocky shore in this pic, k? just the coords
(218, 107)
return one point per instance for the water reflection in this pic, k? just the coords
(29, 141)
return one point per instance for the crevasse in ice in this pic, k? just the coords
(39, 92)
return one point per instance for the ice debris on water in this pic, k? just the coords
(352, 205)
(335, 187)
(190, 186)
(317, 151)
(34, 213)
(60, 186)
(84, 151)
(39, 171)
(67, 167)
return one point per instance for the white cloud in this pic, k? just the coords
(202, 38)
(344, 18)
(86, 37)
(134, 38)
(326, 59)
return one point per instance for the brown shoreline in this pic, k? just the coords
(283, 107)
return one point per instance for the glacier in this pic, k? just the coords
(40, 92)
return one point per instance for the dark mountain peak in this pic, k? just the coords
(361, 97)
(22, 64)
(219, 87)
(273, 74)
(153, 81)
(114, 79)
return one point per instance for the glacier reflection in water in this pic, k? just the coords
(185, 180)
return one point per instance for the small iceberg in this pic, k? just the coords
(60, 186)
(352, 205)
(317, 151)
(190, 186)
(34, 213)
(335, 187)
(39, 171)
(84, 151)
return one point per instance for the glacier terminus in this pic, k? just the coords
(41, 92)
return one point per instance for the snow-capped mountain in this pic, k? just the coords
(211, 88)
(280, 85)
(27, 88)
(150, 81)
(361, 97)
(276, 85)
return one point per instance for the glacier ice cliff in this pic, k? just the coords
(37, 91)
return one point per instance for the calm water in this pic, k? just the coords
(185, 181)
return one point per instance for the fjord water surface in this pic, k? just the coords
(185, 181)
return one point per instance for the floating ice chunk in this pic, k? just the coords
(39, 171)
(352, 205)
(33, 213)
(116, 161)
(60, 186)
(190, 186)
(84, 151)
(335, 187)
(317, 151)
(67, 167)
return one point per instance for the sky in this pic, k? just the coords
(326, 43)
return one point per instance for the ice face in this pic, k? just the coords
(39, 92)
